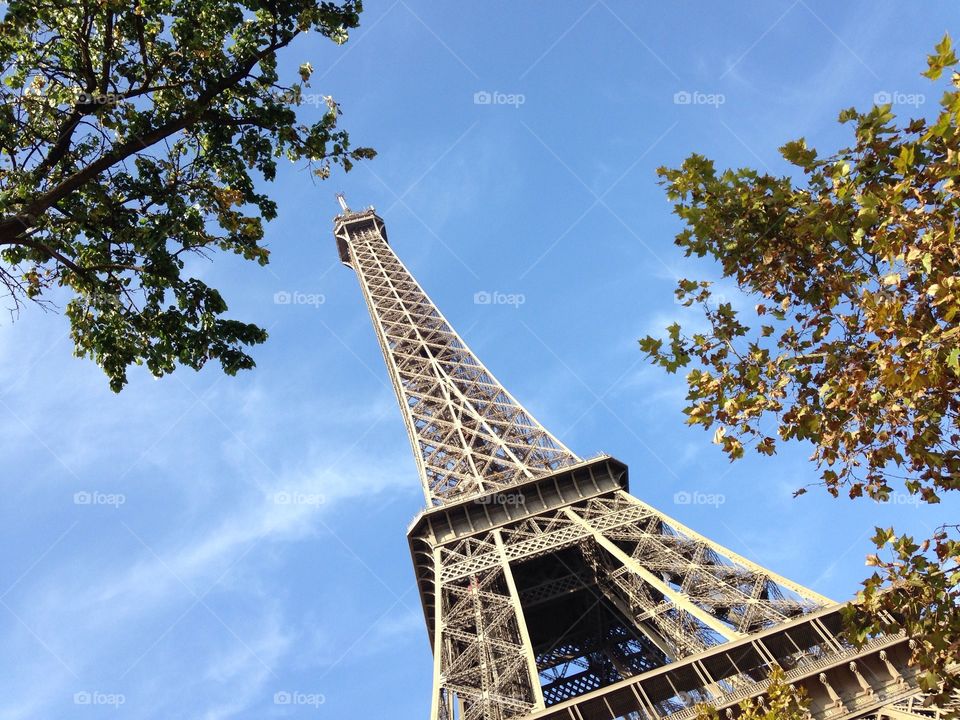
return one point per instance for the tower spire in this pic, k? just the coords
(469, 435)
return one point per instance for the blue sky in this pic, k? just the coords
(148, 570)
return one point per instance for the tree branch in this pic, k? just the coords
(14, 227)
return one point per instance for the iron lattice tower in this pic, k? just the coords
(551, 592)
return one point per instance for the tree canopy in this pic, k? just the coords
(852, 267)
(133, 134)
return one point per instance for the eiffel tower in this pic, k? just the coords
(549, 591)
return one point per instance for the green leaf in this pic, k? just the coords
(953, 360)
(797, 153)
(943, 58)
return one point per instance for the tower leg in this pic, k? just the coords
(483, 660)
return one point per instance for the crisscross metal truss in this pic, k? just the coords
(469, 435)
(562, 603)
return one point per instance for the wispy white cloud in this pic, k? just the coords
(212, 495)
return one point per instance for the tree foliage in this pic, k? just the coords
(131, 136)
(781, 702)
(853, 343)
(917, 591)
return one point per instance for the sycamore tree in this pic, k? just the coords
(133, 134)
(852, 343)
